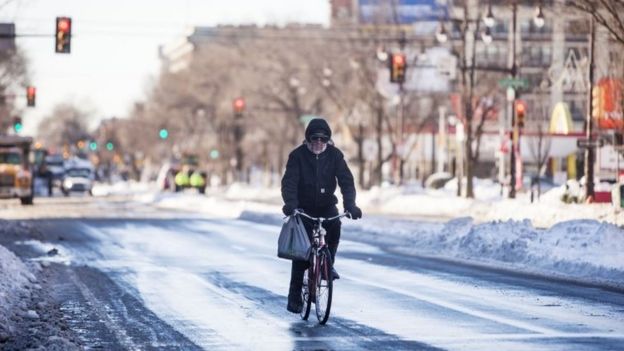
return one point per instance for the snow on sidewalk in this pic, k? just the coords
(14, 276)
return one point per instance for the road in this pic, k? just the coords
(129, 276)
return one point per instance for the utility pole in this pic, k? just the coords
(589, 127)
(514, 127)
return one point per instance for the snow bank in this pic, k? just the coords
(14, 276)
(581, 250)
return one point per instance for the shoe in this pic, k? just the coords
(294, 307)
(335, 274)
(295, 304)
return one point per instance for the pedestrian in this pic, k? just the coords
(313, 170)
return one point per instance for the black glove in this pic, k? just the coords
(288, 210)
(355, 211)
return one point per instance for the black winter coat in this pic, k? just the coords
(309, 182)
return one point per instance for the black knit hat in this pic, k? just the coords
(318, 126)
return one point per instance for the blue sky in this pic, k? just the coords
(115, 43)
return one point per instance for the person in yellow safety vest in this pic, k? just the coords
(197, 180)
(182, 179)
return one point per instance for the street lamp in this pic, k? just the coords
(441, 34)
(489, 17)
(486, 36)
(382, 54)
(539, 17)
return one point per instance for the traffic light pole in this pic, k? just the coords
(514, 128)
(238, 152)
(589, 128)
(398, 164)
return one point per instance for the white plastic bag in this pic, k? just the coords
(293, 242)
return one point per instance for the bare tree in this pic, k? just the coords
(540, 147)
(65, 126)
(608, 13)
(13, 80)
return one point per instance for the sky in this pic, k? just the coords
(114, 47)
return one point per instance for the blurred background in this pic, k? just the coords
(526, 94)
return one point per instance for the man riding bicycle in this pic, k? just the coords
(309, 184)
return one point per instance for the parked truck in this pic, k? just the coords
(16, 176)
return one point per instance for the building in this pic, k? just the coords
(552, 59)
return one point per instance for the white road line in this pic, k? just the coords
(459, 308)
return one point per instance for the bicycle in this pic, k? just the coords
(320, 287)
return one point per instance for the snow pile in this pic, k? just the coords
(122, 188)
(582, 250)
(14, 276)
(585, 250)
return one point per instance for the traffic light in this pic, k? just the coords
(110, 146)
(398, 66)
(239, 105)
(93, 146)
(520, 112)
(63, 35)
(31, 95)
(17, 124)
(163, 133)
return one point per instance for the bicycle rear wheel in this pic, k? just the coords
(324, 287)
(305, 295)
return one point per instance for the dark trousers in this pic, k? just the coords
(332, 239)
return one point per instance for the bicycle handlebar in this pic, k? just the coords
(321, 219)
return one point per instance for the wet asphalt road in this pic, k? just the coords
(167, 280)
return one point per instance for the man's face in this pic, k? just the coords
(318, 142)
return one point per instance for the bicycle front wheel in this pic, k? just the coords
(324, 287)
(305, 294)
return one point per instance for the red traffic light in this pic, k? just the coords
(520, 106)
(64, 24)
(239, 105)
(398, 59)
(520, 112)
(63, 35)
(398, 66)
(31, 94)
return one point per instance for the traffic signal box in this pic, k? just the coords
(63, 35)
(520, 113)
(398, 66)
(31, 95)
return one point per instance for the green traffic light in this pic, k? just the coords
(110, 146)
(163, 133)
(18, 127)
(93, 146)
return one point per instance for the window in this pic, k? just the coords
(12, 158)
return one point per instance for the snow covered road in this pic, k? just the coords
(217, 284)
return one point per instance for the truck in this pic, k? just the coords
(16, 175)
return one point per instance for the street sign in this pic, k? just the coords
(513, 83)
(589, 144)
